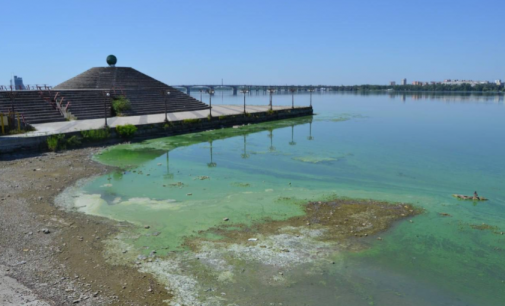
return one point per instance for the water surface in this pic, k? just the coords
(419, 149)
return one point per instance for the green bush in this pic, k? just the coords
(58, 142)
(53, 142)
(95, 135)
(222, 117)
(120, 105)
(126, 131)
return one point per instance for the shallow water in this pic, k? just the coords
(407, 148)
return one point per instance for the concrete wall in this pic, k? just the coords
(148, 131)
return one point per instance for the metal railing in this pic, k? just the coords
(25, 88)
(8, 121)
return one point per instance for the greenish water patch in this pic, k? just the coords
(406, 151)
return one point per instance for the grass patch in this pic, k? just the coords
(59, 142)
(96, 135)
(191, 121)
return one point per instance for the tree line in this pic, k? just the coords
(491, 87)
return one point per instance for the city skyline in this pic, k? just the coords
(199, 42)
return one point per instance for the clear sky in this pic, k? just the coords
(256, 42)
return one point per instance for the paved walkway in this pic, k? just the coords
(91, 124)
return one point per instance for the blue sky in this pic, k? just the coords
(256, 42)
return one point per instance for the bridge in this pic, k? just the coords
(258, 88)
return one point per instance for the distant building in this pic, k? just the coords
(417, 83)
(461, 82)
(498, 82)
(404, 82)
(17, 83)
(393, 83)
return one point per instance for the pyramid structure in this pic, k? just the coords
(85, 99)
(85, 93)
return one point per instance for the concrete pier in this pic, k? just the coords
(151, 126)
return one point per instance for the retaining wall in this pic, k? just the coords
(24, 144)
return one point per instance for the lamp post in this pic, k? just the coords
(106, 94)
(210, 92)
(311, 90)
(165, 94)
(244, 91)
(271, 91)
(293, 90)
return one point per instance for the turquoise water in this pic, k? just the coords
(417, 149)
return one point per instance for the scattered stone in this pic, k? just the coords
(156, 233)
(46, 231)
(252, 239)
(147, 227)
(189, 194)
(226, 219)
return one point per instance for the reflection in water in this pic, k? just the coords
(245, 155)
(168, 175)
(292, 142)
(212, 164)
(310, 131)
(271, 136)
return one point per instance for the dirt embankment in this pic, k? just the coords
(341, 220)
(58, 255)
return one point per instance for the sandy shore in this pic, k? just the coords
(52, 257)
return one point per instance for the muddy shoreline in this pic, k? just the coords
(58, 255)
(61, 256)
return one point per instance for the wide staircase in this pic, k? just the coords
(145, 102)
(86, 104)
(31, 105)
(84, 96)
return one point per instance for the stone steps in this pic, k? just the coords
(33, 108)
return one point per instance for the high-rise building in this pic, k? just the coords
(17, 83)
(404, 82)
(498, 82)
(392, 83)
